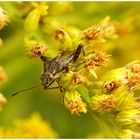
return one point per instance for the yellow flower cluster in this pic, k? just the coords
(34, 49)
(74, 103)
(33, 127)
(105, 29)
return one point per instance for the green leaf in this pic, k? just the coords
(84, 93)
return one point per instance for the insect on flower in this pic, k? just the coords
(53, 68)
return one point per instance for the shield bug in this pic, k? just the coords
(54, 67)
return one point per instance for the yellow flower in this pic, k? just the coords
(2, 74)
(34, 49)
(103, 103)
(125, 133)
(2, 101)
(78, 79)
(34, 127)
(64, 38)
(109, 86)
(34, 17)
(135, 68)
(105, 29)
(97, 59)
(1, 43)
(129, 118)
(132, 76)
(71, 80)
(3, 18)
(74, 103)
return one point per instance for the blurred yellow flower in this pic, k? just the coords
(2, 74)
(1, 43)
(34, 127)
(2, 101)
(3, 18)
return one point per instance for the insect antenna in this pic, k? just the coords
(30, 89)
(25, 89)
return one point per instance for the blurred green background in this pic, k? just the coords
(23, 72)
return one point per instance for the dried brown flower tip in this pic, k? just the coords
(105, 29)
(92, 33)
(135, 68)
(78, 79)
(34, 49)
(38, 50)
(134, 82)
(109, 86)
(90, 63)
(109, 103)
(100, 59)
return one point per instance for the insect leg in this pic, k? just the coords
(67, 68)
(44, 58)
(60, 87)
(78, 51)
(83, 50)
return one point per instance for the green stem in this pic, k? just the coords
(104, 125)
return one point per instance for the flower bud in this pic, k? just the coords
(34, 49)
(74, 103)
(63, 37)
(33, 18)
